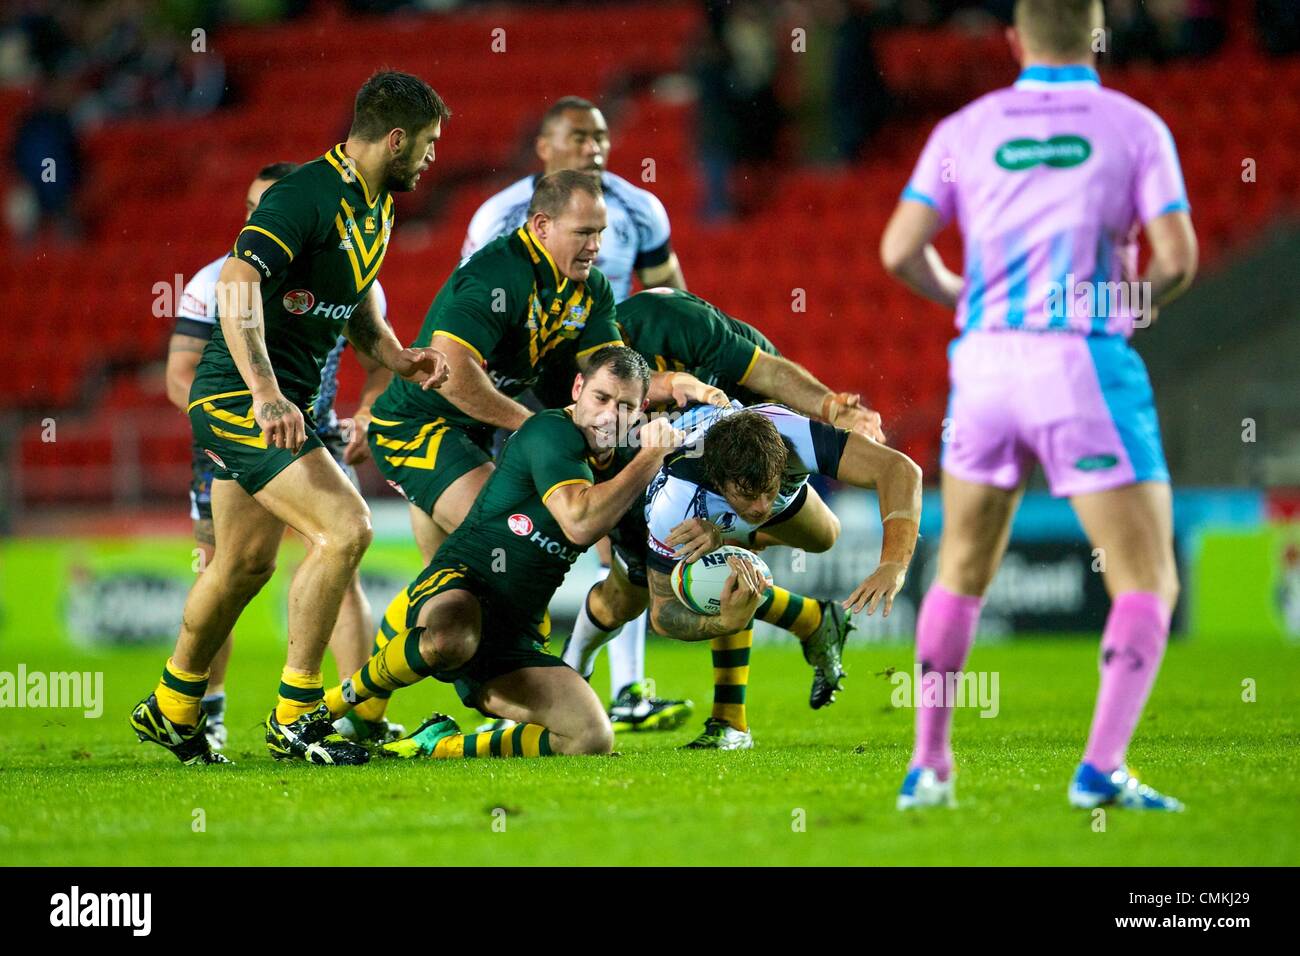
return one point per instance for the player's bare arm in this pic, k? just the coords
(469, 389)
(589, 512)
(897, 480)
(667, 274)
(741, 595)
(239, 301)
(1174, 257)
(788, 382)
(683, 389)
(907, 254)
(371, 335)
(183, 353)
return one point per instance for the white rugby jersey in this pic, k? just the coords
(636, 236)
(196, 314)
(680, 490)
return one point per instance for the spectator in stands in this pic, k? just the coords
(47, 157)
(1279, 25)
(739, 116)
(860, 100)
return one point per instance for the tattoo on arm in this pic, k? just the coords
(257, 357)
(364, 328)
(675, 619)
(274, 411)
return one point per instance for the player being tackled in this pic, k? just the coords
(748, 484)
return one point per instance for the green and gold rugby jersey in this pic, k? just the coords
(676, 331)
(317, 240)
(509, 537)
(509, 305)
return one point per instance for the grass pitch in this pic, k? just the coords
(818, 789)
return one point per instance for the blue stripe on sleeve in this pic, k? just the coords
(911, 192)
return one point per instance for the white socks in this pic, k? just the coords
(627, 655)
(587, 638)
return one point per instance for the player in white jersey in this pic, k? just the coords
(345, 439)
(573, 135)
(1051, 181)
(742, 477)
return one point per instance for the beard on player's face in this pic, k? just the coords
(404, 169)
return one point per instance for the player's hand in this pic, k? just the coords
(845, 410)
(880, 587)
(426, 367)
(741, 595)
(355, 430)
(694, 538)
(281, 422)
(660, 437)
(687, 389)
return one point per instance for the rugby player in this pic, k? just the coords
(674, 329)
(299, 275)
(476, 616)
(195, 316)
(1049, 181)
(527, 304)
(574, 135)
(748, 485)
(637, 241)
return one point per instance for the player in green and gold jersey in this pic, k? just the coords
(476, 615)
(299, 275)
(527, 304)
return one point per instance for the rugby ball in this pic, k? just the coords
(698, 584)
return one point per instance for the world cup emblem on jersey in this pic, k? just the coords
(298, 301)
(521, 525)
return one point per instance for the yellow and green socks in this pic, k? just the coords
(300, 693)
(521, 740)
(731, 677)
(179, 694)
(397, 664)
(799, 615)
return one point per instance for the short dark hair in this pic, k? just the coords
(746, 449)
(276, 171)
(392, 100)
(560, 107)
(627, 365)
(552, 193)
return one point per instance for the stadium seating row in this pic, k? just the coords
(860, 330)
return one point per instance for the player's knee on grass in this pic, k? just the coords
(595, 738)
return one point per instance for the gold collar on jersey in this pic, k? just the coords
(566, 318)
(365, 256)
(347, 169)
